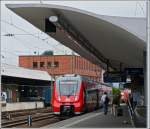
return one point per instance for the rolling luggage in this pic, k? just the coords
(119, 111)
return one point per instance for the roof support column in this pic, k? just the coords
(147, 74)
(145, 78)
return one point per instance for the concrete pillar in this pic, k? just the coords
(145, 79)
(148, 55)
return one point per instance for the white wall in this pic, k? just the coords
(22, 106)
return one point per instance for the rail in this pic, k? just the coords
(12, 114)
(25, 120)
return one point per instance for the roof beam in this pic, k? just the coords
(64, 24)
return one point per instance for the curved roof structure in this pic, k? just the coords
(107, 39)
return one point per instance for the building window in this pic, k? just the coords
(42, 64)
(49, 64)
(76, 62)
(93, 67)
(35, 65)
(56, 64)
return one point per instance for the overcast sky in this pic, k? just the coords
(23, 43)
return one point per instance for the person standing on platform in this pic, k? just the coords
(105, 101)
(136, 97)
(131, 100)
(115, 104)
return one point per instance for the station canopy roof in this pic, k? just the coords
(117, 41)
(20, 72)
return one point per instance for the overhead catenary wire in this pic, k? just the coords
(4, 56)
(18, 34)
(36, 86)
(11, 24)
(22, 41)
(15, 51)
(30, 34)
(43, 40)
(3, 60)
(9, 52)
(24, 44)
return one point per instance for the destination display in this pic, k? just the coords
(68, 82)
(112, 77)
(134, 71)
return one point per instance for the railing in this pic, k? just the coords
(131, 111)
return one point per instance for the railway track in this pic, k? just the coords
(13, 114)
(24, 121)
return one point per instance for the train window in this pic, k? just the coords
(42, 64)
(68, 87)
(35, 65)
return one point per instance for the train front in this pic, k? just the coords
(66, 95)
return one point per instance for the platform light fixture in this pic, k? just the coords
(53, 18)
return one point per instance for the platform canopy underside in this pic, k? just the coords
(120, 40)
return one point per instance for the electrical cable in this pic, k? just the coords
(33, 35)
(28, 85)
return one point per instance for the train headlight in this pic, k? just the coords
(59, 98)
(76, 98)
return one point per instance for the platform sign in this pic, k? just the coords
(134, 71)
(112, 77)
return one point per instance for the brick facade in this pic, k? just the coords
(62, 64)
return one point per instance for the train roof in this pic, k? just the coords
(83, 78)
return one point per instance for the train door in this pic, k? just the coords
(92, 99)
(97, 98)
(85, 97)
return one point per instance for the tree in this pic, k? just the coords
(48, 53)
(116, 91)
(116, 95)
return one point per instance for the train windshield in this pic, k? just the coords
(67, 87)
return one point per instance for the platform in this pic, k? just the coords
(96, 119)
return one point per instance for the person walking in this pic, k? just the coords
(105, 101)
(115, 104)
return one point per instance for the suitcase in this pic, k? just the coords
(119, 111)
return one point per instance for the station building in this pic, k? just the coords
(90, 35)
(24, 85)
(57, 65)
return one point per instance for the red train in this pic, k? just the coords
(74, 94)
